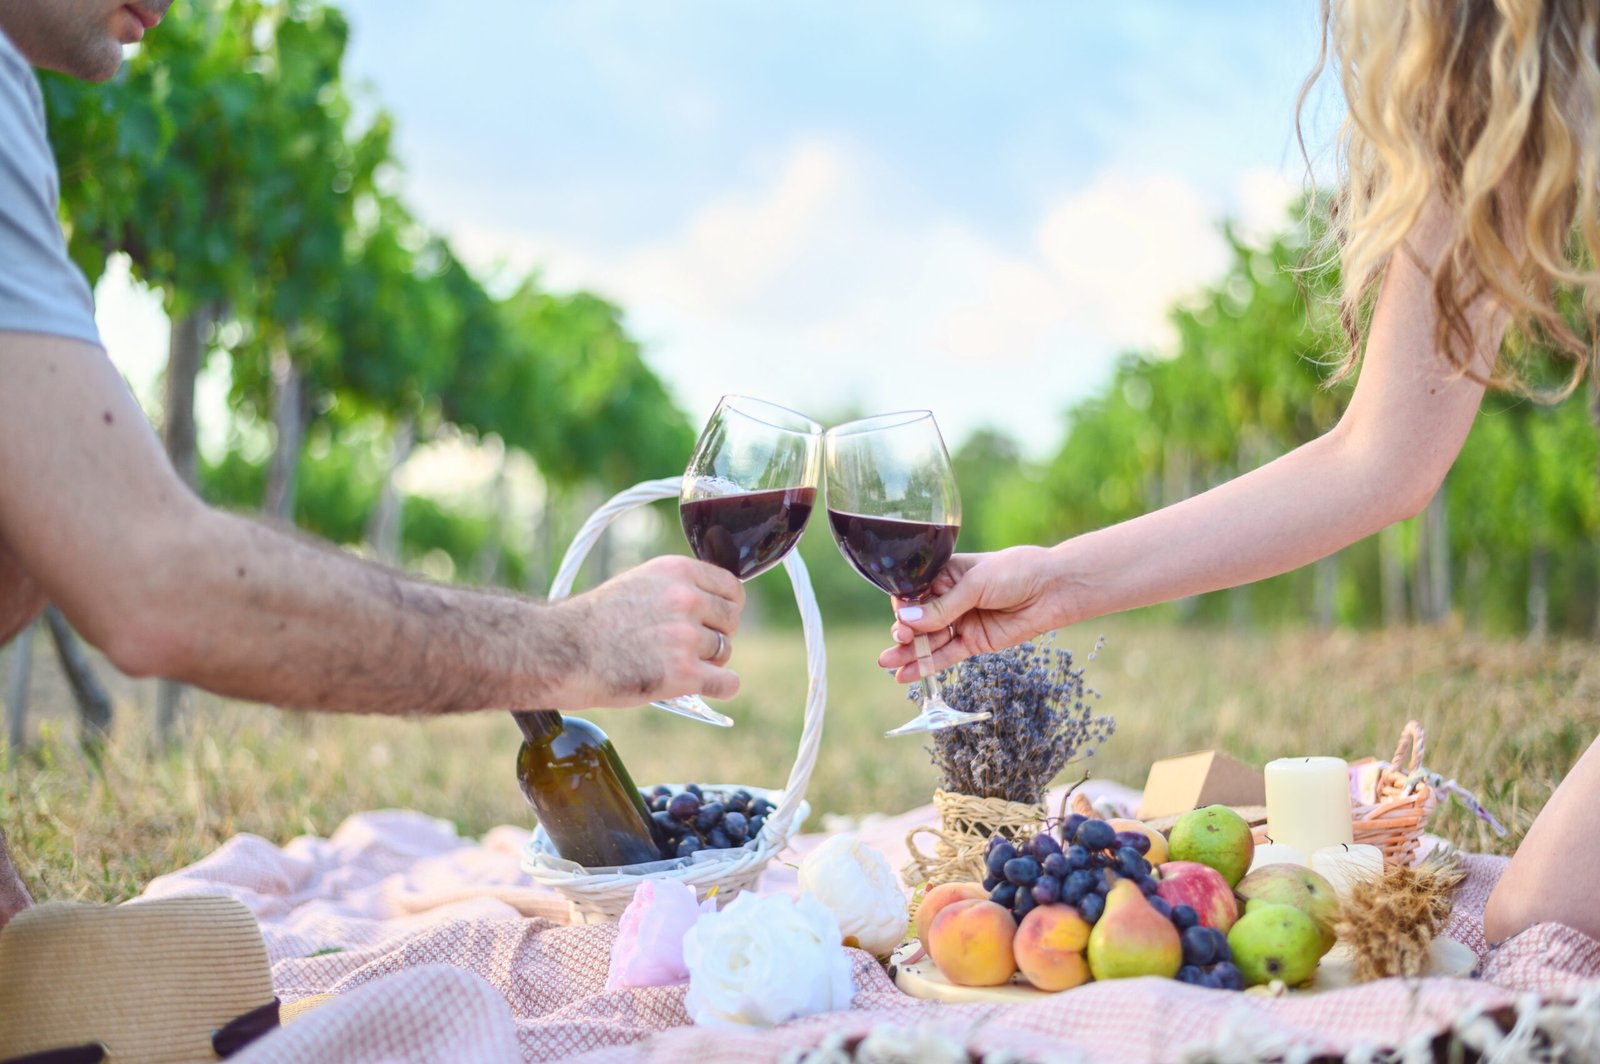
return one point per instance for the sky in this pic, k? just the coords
(972, 207)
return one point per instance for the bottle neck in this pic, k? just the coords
(539, 726)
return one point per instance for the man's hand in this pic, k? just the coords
(652, 633)
(984, 603)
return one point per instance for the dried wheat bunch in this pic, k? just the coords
(1390, 921)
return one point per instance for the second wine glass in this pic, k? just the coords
(895, 514)
(747, 494)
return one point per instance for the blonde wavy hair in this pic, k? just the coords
(1493, 106)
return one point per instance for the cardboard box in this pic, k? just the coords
(1210, 777)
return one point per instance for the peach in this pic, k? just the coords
(970, 943)
(1049, 947)
(1158, 841)
(938, 897)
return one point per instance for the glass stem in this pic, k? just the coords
(925, 669)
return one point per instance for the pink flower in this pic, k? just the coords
(649, 946)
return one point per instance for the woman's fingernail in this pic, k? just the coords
(902, 635)
(909, 613)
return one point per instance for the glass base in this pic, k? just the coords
(694, 707)
(933, 718)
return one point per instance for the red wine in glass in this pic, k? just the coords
(748, 491)
(900, 557)
(895, 512)
(749, 532)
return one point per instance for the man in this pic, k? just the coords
(93, 517)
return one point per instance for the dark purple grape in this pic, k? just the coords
(1095, 835)
(1022, 905)
(1190, 974)
(684, 806)
(1047, 890)
(1077, 857)
(737, 825)
(1184, 917)
(688, 845)
(1219, 946)
(761, 807)
(1134, 840)
(1069, 826)
(718, 839)
(1076, 885)
(1198, 946)
(710, 816)
(694, 789)
(1130, 865)
(994, 840)
(670, 826)
(1148, 886)
(1043, 846)
(1004, 894)
(1022, 871)
(998, 857)
(661, 790)
(1227, 976)
(756, 824)
(1210, 981)
(741, 801)
(1159, 904)
(1091, 907)
(1056, 865)
(991, 881)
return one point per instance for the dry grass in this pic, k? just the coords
(1506, 719)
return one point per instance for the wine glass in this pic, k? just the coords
(895, 514)
(749, 489)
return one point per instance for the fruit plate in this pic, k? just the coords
(921, 979)
(915, 974)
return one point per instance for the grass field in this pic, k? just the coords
(1505, 718)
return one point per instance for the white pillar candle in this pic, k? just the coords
(1308, 802)
(1345, 866)
(1277, 853)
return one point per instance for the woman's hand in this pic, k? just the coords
(983, 603)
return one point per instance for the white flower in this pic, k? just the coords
(764, 960)
(856, 882)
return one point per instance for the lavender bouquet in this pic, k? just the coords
(1043, 718)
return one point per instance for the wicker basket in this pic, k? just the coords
(1394, 822)
(598, 895)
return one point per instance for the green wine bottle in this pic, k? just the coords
(581, 792)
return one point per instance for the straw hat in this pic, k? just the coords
(170, 981)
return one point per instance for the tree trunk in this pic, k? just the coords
(487, 565)
(289, 420)
(1432, 578)
(1392, 576)
(179, 433)
(383, 527)
(1538, 591)
(17, 691)
(94, 705)
(1326, 591)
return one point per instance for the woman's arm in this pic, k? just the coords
(92, 512)
(1382, 463)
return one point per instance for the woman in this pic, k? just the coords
(1471, 156)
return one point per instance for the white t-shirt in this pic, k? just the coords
(41, 290)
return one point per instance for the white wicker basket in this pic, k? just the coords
(597, 895)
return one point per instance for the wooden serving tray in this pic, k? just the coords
(920, 978)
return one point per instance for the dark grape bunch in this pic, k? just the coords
(695, 819)
(1077, 865)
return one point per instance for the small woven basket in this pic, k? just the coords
(596, 896)
(1394, 822)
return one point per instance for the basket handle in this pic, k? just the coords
(649, 491)
(1411, 735)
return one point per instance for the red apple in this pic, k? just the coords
(1202, 889)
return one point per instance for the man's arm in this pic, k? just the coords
(164, 585)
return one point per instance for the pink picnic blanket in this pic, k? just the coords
(440, 949)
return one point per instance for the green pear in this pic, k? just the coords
(1131, 939)
(1283, 884)
(1275, 942)
(1215, 836)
